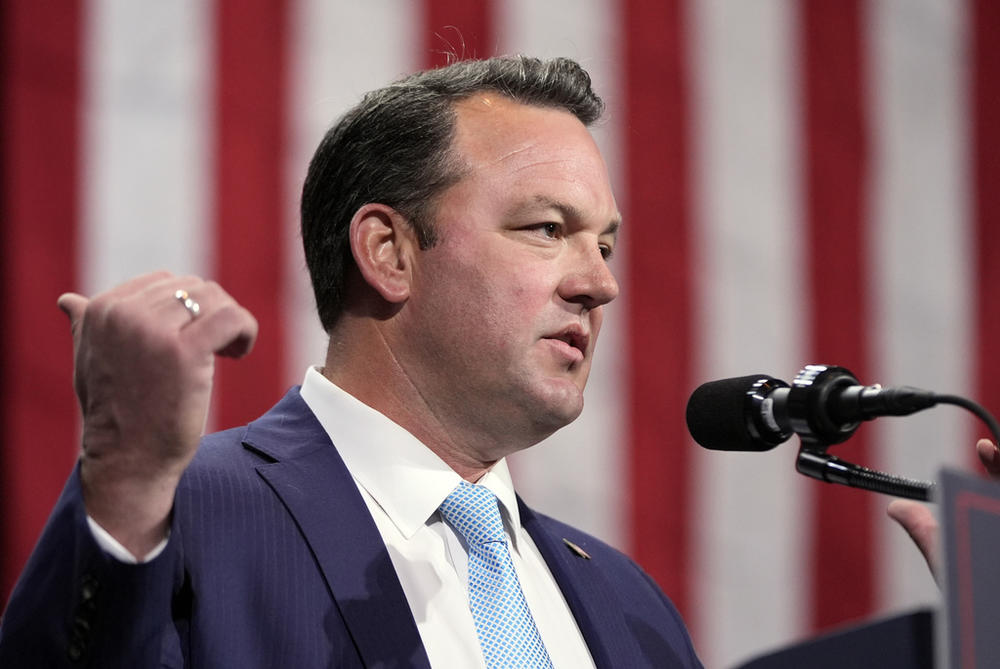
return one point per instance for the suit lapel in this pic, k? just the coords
(590, 596)
(314, 485)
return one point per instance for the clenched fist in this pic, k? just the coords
(143, 366)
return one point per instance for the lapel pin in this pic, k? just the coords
(576, 549)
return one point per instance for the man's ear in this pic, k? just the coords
(382, 242)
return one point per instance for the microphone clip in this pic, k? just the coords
(823, 412)
(813, 406)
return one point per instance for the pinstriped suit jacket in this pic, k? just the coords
(274, 561)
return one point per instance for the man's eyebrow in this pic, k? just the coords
(613, 226)
(567, 211)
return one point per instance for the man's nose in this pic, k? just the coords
(590, 281)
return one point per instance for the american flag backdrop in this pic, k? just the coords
(814, 181)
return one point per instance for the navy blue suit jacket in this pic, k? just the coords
(275, 561)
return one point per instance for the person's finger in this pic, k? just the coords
(175, 303)
(152, 293)
(228, 331)
(224, 327)
(989, 455)
(73, 305)
(920, 524)
(158, 301)
(137, 284)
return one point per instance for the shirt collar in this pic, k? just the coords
(404, 477)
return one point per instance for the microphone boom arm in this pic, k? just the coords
(825, 467)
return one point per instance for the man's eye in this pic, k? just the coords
(606, 251)
(550, 230)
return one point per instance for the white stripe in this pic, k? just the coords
(146, 161)
(922, 251)
(749, 510)
(591, 493)
(341, 50)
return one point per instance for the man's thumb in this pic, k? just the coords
(73, 305)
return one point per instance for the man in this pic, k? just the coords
(457, 226)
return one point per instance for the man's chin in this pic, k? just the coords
(563, 402)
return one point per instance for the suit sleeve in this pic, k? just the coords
(76, 606)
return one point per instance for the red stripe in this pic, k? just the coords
(457, 28)
(985, 18)
(659, 288)
(837, 145)
(40, 45)
(251, 52)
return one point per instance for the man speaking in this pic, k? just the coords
(457, 226)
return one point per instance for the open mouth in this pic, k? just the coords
(574, 337)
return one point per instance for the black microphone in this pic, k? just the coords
(823, 405)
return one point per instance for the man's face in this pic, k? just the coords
(505, 309)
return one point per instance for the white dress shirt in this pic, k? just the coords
(403, 483)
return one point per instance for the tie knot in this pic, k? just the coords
(474, 513)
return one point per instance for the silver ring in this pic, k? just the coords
(189, 303)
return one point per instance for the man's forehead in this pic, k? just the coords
(491, 128)
(529, 145)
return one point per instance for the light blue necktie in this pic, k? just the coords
(506, 630)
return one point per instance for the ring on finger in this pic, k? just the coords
(189, 303)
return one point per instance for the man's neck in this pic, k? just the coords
(370, 372)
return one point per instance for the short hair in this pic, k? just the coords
(394, 148)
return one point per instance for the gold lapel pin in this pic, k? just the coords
(576, 549)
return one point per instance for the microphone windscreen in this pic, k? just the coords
(717, 414)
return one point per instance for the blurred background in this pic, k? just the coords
(801, 182)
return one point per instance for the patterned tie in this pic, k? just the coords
(504, 624)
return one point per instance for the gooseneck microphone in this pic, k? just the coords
(824, 405)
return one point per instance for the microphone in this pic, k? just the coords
(824, 405)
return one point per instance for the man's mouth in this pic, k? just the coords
(575, 337)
